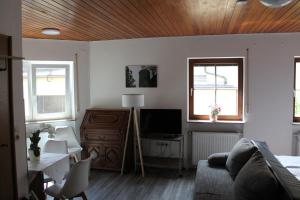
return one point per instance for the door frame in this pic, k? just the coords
(11, 114)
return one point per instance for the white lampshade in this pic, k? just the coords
(132, 100)
(275, 3)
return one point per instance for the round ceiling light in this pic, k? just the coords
(276, 3)
(50, 31)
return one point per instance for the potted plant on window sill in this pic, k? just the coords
(34, 150)
(215, 110)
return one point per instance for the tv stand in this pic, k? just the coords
(165, 162)
(161, 136)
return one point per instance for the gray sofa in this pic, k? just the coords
(215, 183)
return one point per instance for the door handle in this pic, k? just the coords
(3, 145)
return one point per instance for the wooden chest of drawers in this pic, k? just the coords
(103, 134)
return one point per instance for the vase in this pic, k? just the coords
(213, 118)
(32, 157)
(51, 135)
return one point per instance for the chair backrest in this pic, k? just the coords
(78, 179)
(56, 146)
(67, 133)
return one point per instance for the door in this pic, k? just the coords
(8, 188)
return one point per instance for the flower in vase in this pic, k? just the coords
(215, 110)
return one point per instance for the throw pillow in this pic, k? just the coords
(239, 155)
(255, 180)
(218, 159)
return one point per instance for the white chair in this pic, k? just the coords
(67, 133)
(76, 182)
(56, 146)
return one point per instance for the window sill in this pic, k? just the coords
(49, 121)
(218, 122)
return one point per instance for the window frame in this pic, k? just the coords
(295, 119)
(34, 116)
(216, 61)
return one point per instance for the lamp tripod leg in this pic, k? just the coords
(126, 142)
(139, 142)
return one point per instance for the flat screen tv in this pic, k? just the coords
(160, 122)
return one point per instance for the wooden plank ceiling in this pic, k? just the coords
(90, 20)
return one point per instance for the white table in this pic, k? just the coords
(54, 165)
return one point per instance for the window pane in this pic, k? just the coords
(227, 89)
(227, 99)
(50, 81)
(297, 91)
(204, 77)
(203, 99)
(297, 85)
(204, 89)
(50, 90)
(25, 92)
(227, 76)
(51, 104)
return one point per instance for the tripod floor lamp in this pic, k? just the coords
(133, 101)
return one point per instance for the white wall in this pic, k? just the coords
(37, 49)
(10, 24)
(102, 76)
(270, 78)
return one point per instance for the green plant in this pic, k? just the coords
(35, 138)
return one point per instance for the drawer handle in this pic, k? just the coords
(3, 145)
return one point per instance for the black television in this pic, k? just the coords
(160, 122)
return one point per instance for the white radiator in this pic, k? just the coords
(207, 143)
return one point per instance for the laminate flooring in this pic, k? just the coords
(157, 185)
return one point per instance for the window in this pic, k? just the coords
(48, 90)
(216, 82)
(297, 91)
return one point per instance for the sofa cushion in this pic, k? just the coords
(239, 155)
(289, 185)
(255, 180)
(212, 183)
(218, 159)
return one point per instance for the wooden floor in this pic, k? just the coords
(157, 185)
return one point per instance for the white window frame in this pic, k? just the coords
(33, 115)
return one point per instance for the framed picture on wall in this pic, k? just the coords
(141, 76)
